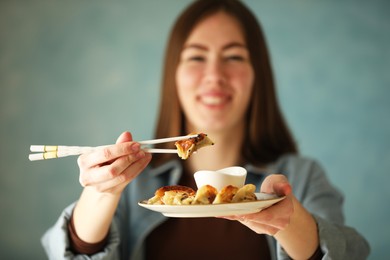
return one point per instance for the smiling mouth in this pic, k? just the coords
(214, 100)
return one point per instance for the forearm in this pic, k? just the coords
(93, 214)
(300, 238)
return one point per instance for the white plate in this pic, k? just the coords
(214, 210)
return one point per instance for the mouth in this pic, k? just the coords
(214, 100)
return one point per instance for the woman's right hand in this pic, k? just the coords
(109, 170)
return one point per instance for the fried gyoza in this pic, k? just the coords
(173, 195)
(188, 146)
(207, 194)
(226, 195)
(246, 193)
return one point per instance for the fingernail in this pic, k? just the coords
(135, 147)
(140, 154)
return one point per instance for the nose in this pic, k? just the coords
(215, 73)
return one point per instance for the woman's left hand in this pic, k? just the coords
(288, 221)
(275, 218)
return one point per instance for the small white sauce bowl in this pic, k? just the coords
(234, 175)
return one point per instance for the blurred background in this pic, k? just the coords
(82, 72)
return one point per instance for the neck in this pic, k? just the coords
(225, 152)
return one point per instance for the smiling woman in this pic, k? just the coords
(217, 79)
(104, 57)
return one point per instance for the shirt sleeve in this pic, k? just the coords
(325, 202)
(56, 241)
(340, 241)
(80, 246)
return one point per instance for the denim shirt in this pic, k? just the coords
(132, 223)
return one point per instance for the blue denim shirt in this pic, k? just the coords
(132, 223)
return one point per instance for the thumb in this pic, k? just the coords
(124, 137)
(282, 188)
(276, 184)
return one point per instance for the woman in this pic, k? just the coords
(217, 80)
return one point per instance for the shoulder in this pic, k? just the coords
(307, 176)
(299, 170)
(291, 163)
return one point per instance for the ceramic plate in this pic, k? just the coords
(214, 210)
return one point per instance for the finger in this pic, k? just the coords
(123, 179)
(107, 172)
(260, 228)
(276, 184)
(107, 154)
(137, 167)
(84, 159)
(278, 215)
(124, 137)
(269, 220)
(282, 188)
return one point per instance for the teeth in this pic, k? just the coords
(212, 100)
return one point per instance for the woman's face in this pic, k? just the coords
(215, 77)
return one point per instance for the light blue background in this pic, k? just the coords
(81, 72)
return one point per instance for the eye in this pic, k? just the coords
(235, 58)
(196, 58)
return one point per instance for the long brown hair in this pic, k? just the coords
(267, 135)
